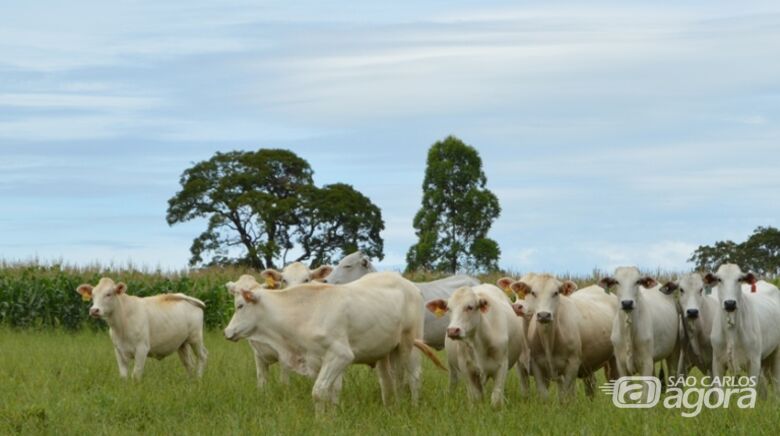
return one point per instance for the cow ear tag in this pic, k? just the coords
(439, 312)
(270, 282)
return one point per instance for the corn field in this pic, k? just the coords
(43, 296)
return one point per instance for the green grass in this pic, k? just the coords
(55, 382)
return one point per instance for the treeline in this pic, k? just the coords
(760, 253)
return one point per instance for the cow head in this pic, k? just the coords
(248, 307)
(691, 290)
(104, 296)
(729, 279)
(544, 294)
(465, 308)
(293, 274)
(351, 268)
(626, 283)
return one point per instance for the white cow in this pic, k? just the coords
(293, 274)
(698, 311)
(318, 330)
(746, 329)
(569, 334)
(150, 326)
(485, 338)
(357, 264)
(646, 329)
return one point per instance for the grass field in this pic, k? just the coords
(56, 382)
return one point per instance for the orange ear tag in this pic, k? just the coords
(85, 297)
(270, 282)
(753, 288)
(439, 312)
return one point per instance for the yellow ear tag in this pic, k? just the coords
(439, 312)
(508, 291)
(270, 282)
(85, 296)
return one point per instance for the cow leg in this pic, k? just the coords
(754, 371)
(621, 368)
(452, 363)
(140, 360)
(774, 370)
(386, 381)
(185, 355)
(523, 375)
(590, 384)
(497, 397)
(568, 382)
(261, 366)
(201, 353)
(284, 374)
(542, 382)
(333, 366)
(122, 362)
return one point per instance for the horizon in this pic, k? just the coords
(611, 134)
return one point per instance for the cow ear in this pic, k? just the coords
(505, 283)
(607, 282)
(748, 278)
(120, 288)
(437, 307)
(711, 279)
(567, 287)
(321, 272)
(521, 289)
(647, 282)
(669, 288)
(482, 305)
(273, 278)
(85, 291)
(249, 296)
(365, 261)
(231, 287)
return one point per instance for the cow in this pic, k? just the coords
(646, 328)
(746, 328)
(569, 332)
(485, 338)
(357, 264)
(151, 326)
(317, 330)
(293, 274)
(697, 310)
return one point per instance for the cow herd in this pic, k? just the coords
(317, 323)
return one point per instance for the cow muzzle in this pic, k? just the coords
(519, 309)
(94, 312)
(544, 317)
(454, 333)
(692, 313)
(627, 305)
(730, 305)
(231, 336)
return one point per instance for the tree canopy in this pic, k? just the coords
(760, 253)
(262, 205)
(456, 214)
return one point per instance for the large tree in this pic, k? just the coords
(261, 205)
(456, 214)
(760, 253)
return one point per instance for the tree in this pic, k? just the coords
(456, 214)
(260, 204)
(760, 253)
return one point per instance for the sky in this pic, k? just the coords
(613, 133)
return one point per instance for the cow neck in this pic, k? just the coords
(547, 334)
(118, 320)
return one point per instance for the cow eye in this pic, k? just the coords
(239, 307)
(555, 294)
(682, 291)
(469, 308)
(306, 281)
(533, 294)
(347, 266)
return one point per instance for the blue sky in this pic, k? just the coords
(613, 133)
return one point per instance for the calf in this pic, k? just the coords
(698, 311)
(569, 333)
(484, 338)
(646, 329)
(150, 326)
(746, 328)
(318, 330)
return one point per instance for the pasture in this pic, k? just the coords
(58, 382)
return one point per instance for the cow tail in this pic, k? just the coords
(422, 346)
